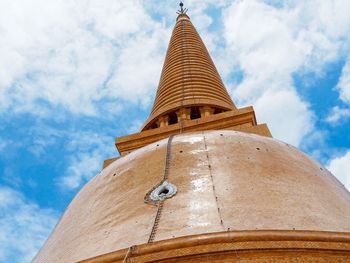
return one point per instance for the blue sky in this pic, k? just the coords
(76, 74)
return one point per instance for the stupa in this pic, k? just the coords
(203, 182)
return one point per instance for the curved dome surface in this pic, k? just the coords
(225, 180)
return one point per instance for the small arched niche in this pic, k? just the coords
(195, 113)
(172, 118)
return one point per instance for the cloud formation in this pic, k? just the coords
(343, 85)
(24, 226)
(271, 44)
(77, 55)
(337, 114)
(87, 152)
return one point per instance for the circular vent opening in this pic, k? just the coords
(165, 190)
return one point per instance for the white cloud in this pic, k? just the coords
(87, 152)
(81, 168)
(271, 43)
(344, 83)
(337, 114)
(261, 39)
(282, 109)
(340, 167)
(62, 54)
(83, 151)
(139, 67)
(41, 137)
(24, 226)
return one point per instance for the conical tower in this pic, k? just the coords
(189, 78)
(202, 182)
(191, 95)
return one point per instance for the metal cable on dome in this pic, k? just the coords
(160, 203)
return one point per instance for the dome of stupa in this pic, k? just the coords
(225, 181)
(203, 182)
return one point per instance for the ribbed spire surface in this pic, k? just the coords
(189, 77)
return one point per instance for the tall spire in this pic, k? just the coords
(189, 77)
(191, 95)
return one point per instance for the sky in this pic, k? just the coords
(75, 74)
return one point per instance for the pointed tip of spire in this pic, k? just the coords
(182, 12)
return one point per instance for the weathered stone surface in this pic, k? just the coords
(226, 180)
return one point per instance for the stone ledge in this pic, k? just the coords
(233, 246)
(240, 120)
